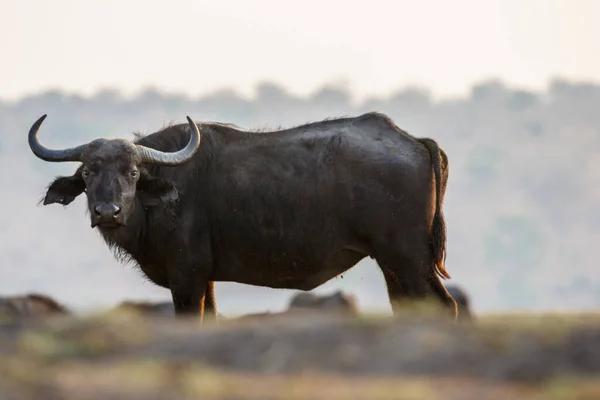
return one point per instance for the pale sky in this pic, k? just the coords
(375, 46)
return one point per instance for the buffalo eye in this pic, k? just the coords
(134, 173)
(85, 173)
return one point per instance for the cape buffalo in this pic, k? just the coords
(286, 209)
(462, 301)
(301, 303)
(163, 308)
(31, 305)
(144, 307)
(338, 300)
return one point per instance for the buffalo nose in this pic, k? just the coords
(107, 210)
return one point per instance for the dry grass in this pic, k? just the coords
(303, 356)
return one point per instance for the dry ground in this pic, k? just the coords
(304, 356)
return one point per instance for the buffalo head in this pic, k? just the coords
(112, 175)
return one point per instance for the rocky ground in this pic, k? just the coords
(301, 356)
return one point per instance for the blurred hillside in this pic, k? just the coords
(521, 204)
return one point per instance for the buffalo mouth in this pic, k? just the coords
(107, 224)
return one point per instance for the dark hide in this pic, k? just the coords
(288, 209)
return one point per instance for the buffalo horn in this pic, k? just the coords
(153, 156)
(46, 154)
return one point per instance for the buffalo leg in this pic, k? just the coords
(210, 304)
(440, 290)
(187, 302)
(411, 277)
(188, 291)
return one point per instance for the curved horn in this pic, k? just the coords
(152, 156)
(46, 154)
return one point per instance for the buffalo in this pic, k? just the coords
(337, 301)
(149, 308)
(31, 305)
(165, 308)
(462, 301)
(161, 308)
(286, 209)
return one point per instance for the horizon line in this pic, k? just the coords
(129, 95)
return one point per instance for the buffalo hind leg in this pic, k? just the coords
(411, 277)
(442, 293)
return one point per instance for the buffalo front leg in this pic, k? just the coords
(209, 303)
(188, 288)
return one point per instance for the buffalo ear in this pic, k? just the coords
(153, 191)
(64, 189)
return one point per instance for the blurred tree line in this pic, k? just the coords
(523, 194)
